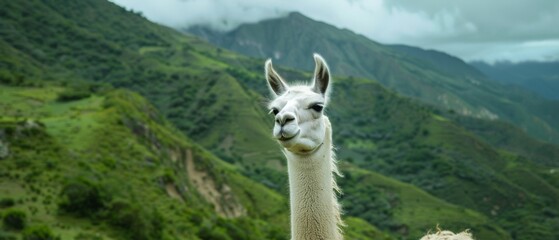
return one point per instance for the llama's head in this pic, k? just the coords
(298, 110)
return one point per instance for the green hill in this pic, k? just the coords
(408, 166)
(414, 144)
(433, 77)
(68, 169)
(108, 166)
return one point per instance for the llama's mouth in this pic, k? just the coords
(284, 138)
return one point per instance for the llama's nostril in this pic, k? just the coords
(284, 119)
(289, 119)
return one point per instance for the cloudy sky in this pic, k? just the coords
(514, 30)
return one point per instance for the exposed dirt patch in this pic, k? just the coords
(174, 155)
(224, 201)
(172, 191)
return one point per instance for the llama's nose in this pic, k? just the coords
(285, 118)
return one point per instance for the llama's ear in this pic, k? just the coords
(276, 83)
(321, 75)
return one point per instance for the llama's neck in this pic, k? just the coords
(315, 211)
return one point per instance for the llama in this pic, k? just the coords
(305, 134)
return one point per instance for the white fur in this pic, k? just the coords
(306, 137)
(448, 235)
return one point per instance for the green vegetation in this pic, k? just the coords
(7, 236)
(39, 233)
(403, 208)
(436, 154)
(110, 187)
(73, 94)
(6, 202)
(82, 198)
(189, 155)
(15, 219)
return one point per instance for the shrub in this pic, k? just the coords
(82, 198)
(209, 230)
(137, 221)
(6, 77)
(87, 236)
(73, 94)
(7, 202)
(39, 233)
(15, 219)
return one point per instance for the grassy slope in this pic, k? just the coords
(207, 92)
(412, 143)
(409, 210)
(119, 143)
(505, 136)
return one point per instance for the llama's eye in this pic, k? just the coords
(317, 107)
(274, 111)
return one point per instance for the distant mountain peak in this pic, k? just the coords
(295, 19)
(296, 14)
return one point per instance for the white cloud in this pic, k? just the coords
(372, 18)
(219, 14)
(473, 29)
(544, 50)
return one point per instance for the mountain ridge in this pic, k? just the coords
(540, 77)
(437, 79)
